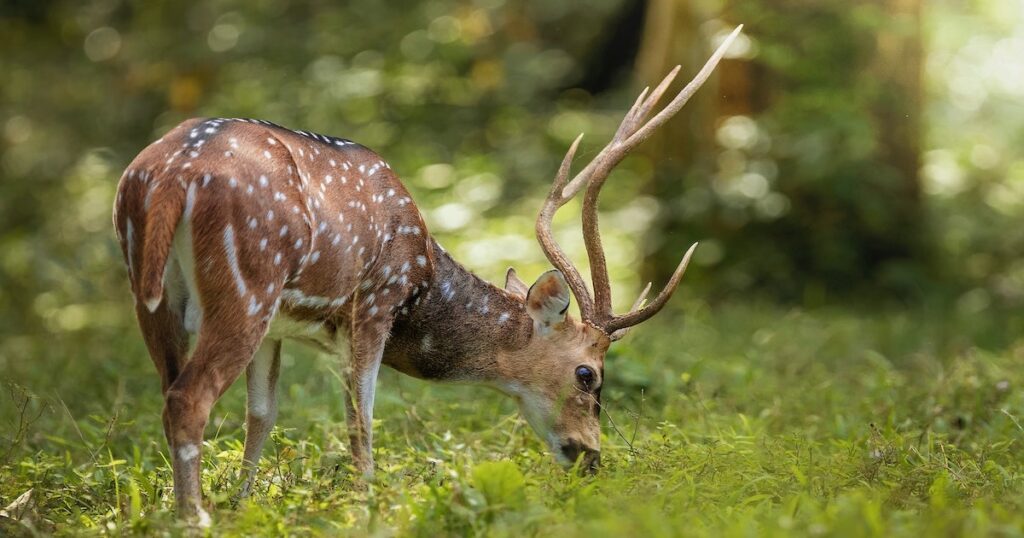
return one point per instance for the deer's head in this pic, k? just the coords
(559, 389)
(561, 370)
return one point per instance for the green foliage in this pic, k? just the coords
(751, 420)
(745, 420)
(823, 143)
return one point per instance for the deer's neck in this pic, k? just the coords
(461, 329)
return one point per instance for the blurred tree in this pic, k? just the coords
(815, 135)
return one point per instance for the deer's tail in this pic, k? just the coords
(166, 204)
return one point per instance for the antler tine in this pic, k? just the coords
(631, 120)
(550, 246)
(683, 96)
(563, 170)
(640, 299)
(630, 116)
(616, 150)
(616, 335)
(635, 317)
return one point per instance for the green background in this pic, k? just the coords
(843, 357)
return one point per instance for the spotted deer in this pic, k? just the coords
(244, 233)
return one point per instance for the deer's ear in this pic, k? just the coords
(515, 286)
(547, 301)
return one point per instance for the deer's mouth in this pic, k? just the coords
(590, 459)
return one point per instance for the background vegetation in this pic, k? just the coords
(850, 358)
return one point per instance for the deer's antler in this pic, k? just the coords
(634, 129)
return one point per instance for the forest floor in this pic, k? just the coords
(730, 420)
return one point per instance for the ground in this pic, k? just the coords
(736, 419)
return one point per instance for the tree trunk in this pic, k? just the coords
(839, 100)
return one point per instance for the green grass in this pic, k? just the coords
(735, 420)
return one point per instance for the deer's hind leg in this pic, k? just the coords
(238, 300)
(167, 341)
(223, 350)
(163, 330)
(261, 408)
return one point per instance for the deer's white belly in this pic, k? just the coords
(311, 333)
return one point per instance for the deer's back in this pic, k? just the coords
(325, 216)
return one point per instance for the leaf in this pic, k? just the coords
(135, 503)
(938, 492)
(800, 476)
(500, 482)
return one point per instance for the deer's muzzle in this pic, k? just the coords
(591, 458)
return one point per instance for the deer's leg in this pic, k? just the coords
(261, 404)
(367, 347)
(225, 346)
(167, 342)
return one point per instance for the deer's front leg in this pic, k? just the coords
(367, 348)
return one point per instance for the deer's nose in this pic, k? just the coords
(591, 458)
(591, 461)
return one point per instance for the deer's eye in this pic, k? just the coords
(585, 376)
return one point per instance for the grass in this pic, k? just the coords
(737, 420)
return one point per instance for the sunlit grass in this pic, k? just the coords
(736, 420)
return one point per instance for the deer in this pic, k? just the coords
(239, 234)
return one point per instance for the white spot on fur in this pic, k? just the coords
(297, 298)
(188, 452)
(231, 252)
(131, 248)
(254, 307)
